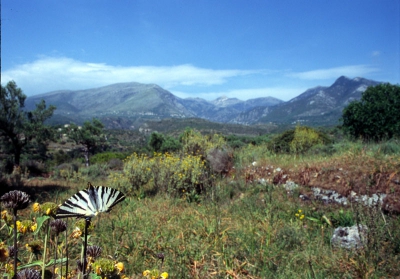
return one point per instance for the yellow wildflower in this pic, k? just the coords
(120, 267)
(34, 227)
(76, 233)
(164, 275)
(146, 272)
(302, 217)
(36, 207)
(4, 214)
(3, 252)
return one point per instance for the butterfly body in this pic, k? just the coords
(90, 202)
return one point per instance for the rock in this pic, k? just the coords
(290, 186)
(349, 237)
(262, 181)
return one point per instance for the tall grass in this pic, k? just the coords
(243, 228)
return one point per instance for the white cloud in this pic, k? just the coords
(282, 93)
(48, 74)
(333, 73)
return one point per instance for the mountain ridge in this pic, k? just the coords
(133, 101)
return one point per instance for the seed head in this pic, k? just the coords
(28, 273)
(15, 200)
(58, 226)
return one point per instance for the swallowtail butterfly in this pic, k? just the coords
(90, 202)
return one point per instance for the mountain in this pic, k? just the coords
(124, 104)
(127, 105)
(316, 106)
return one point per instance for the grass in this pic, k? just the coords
(244, 229)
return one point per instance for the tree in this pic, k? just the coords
(156, 141)
(89, 136)
(376, 116)
(18, 127)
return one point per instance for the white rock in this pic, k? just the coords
(349, 237)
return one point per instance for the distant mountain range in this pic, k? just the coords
(127, 105)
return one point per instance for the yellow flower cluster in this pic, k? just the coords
(299, 214)
(47, 208)
(165, 171)
(155, 274)
(80, 227)
(3, 252)
(7, 218)
(36, 207)
(107, 267)
(26, 226)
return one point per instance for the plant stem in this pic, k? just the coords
(55, 255)
(45, 248)
(66, 251)
(85, 247)
(15, 242)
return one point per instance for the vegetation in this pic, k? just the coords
(188, 216)
(207, 205)
(376, 116)
(298, 140)
(19, 127)
(89, 136)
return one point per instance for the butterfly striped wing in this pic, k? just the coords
(108, 198)
(88, 203)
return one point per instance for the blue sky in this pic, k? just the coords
(205, 48)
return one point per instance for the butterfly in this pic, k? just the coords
(90, 202)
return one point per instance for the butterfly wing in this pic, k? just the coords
(89, 202)
(79, 205)
(108, 198)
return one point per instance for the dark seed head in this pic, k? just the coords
(16, 200)
(28, 273)
(58, 226)
(93, 251)
(11, 251)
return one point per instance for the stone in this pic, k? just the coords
(349, 237)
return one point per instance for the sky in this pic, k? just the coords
(205, 48)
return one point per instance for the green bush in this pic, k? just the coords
(166, 173)
(298, 140)
(170, 144)
(105, 157)
(376, 115)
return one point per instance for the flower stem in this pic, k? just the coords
(85, 248)
(15, 242)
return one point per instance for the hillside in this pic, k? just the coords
(129, 105)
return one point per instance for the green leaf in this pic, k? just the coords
(40, 220)
(314, 219)
(40, 263)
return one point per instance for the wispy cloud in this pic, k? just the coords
(330, 73)
(49, 73)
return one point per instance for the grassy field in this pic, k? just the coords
(244, 224)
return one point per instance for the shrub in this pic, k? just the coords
(376, 115)
(168, 173)
(195, 143)
(34, 167)
(170, 144)
(106, 157)
(60, 157)
(298, 140)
